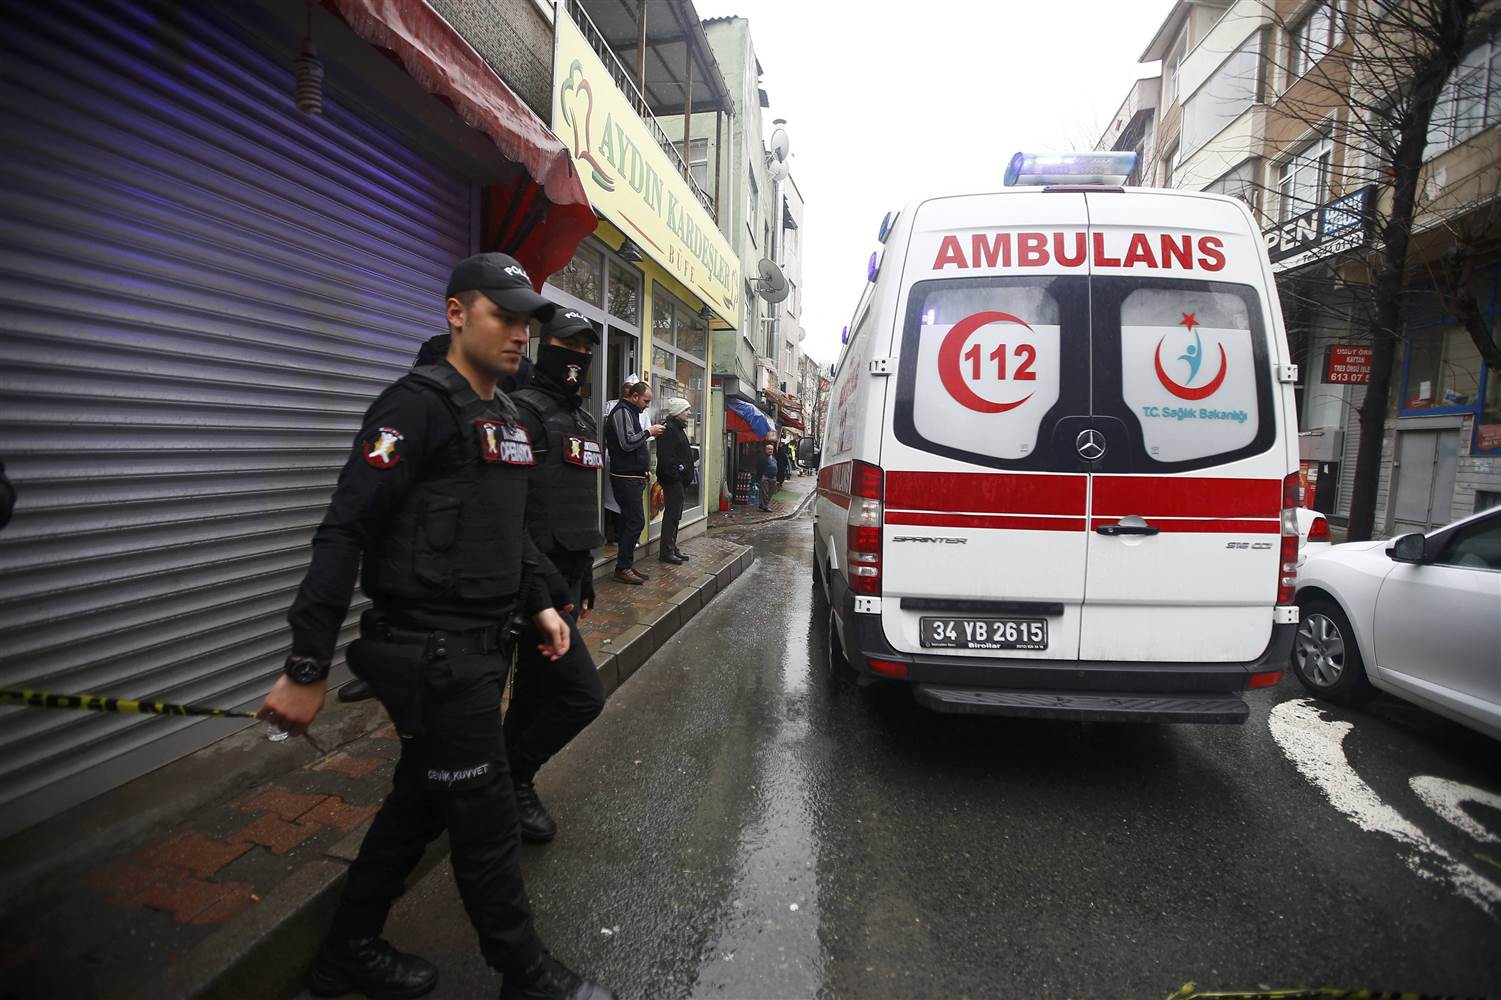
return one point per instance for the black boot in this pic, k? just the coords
(549, 979)
(680, 554)
(537, 827)
(371, 967)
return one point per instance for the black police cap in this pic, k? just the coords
(567, 323)
(503, 281)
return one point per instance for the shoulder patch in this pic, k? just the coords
(383, 449)
(504, 442)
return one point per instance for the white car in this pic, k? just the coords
(1418, 617)
(1313, 534)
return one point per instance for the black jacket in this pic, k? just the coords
(674, 454)
(627, 441)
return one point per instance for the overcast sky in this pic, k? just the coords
(890, 102)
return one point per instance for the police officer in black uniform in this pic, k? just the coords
(551, 703)
(429, 509)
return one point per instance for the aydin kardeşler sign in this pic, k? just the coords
(632, 181)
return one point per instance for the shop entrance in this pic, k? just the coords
(1424, 490)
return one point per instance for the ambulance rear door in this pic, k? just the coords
(1188, 486)
(984, 541)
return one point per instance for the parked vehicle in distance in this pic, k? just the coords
(1313, 534)
(1418, 617)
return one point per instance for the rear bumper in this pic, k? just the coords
(1066, 689)
(1082, 707)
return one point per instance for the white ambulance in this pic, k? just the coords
(1060, 465)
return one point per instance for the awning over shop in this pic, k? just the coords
(791, 419)
(542, 214)
(748, 422)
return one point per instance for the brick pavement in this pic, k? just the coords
(150, 902)
(787, 501)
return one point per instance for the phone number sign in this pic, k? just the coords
(1348, 364)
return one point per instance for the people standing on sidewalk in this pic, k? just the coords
(766, 472)
(675, 471)
(551, 703)
(630, 459)
(428, 512)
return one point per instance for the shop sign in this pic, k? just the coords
(1332, 228)
(1489, 437)
(1348, 364)
(631, 180)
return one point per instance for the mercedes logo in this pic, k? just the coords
(1090, 444)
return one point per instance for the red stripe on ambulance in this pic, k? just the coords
(987, 492)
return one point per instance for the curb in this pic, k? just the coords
(267, 950)
(807, 498)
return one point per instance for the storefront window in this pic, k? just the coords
(625, 295)
(680, 340)
(1443, 370)
(1488, 427)
(583, 278)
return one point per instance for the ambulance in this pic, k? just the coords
(1060, 465)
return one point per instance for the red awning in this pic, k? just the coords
(541, 215)
(790, 419)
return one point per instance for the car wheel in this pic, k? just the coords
(1325, 655)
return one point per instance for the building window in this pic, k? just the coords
(1471, 99)
(625, 294)
(1303, 181)
(1229, 91)
(752, 205)
(583, 276)
(696, 155)
(677, 331)
(1312, 38)
(1169, 160)
(1443, 371)
(1171, 66)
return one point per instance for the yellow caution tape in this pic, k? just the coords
(1190, 992)
(102, 703)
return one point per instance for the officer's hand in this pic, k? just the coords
(586, 597)
(291, 706)
(656, 430)
(554, 631)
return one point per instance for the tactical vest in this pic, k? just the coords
(454, 543)
(562, 506)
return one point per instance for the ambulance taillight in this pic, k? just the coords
(1287, 560)
(863, 529)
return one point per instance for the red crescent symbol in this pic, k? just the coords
(1183, 391)
(948, 362)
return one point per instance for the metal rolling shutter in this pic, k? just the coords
(200, 291)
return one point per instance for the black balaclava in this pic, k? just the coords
(568, 368)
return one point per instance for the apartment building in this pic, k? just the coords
(1250, 103)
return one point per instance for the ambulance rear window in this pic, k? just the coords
(984, 361)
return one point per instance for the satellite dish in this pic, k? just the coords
(777, 169)
(779, 147)
(772, 284)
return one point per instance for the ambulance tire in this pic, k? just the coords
(1325, 656)
(841, 675)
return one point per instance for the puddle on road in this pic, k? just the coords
(768, 943)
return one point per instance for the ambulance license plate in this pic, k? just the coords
(985, 633)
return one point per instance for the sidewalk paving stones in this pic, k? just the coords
(191, 906)
(788, 501)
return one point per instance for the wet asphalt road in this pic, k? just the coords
(733, 827)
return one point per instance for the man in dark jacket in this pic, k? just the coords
(629, 462)
(675, 472)
(552, 702)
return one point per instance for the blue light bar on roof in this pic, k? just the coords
(1069, 168)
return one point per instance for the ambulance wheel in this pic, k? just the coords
(841, 674)
(1325, 655)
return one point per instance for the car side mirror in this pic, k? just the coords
(1409, 549)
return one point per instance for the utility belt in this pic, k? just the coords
(439, 643)
(400, 663)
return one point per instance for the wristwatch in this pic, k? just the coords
(305, 669)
